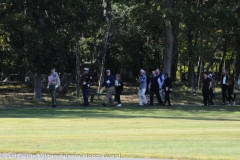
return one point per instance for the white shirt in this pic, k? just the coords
(224, 80)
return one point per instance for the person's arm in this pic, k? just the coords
(121, 85)
(149, 86)
(170, 81)
(159, 83)
(210, 84)
(112, 81)
(58, 81)
(162, 80)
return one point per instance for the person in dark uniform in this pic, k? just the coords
(224, 86)
(119, 89)
(230, 83)
(154, 89)
(211, 95)
(86, 82)
(167, 88)
(148, 81)
(53, 84)
(206, 85)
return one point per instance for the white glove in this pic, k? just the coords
(47, 87)
(84, 83)
(107, 81)
(56, 86)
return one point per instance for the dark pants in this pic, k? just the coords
(224, 92)
(167, 97)
(53, 89)
(205, 93)
(156, 91)
(85, 96)
(230, 92)
(117, 96)
(211, 96)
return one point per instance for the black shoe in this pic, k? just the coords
(169, 105)
(86, 104)
(223, 103)
(104, 104)
(54, 106)
(150, 104)
(162, 104)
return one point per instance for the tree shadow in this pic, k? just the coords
(214, 113)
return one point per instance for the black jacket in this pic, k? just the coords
(167, 83)
(119, 87)
(86, 81)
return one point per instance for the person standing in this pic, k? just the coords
(148, 81)
(86, 82)
(119, 89)
(154, 89)
(53, 84)
(206, 84)
(108, 83)
(167, 88)
(239, 81)
(211, 77)
(142, 80)
(230, 84)
(160, 82)
(224, 86)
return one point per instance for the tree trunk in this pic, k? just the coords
(222, 63)
(38, 86)
(190, 56)
(38, 77)
(214, 50)
(175, 50)
(169, 38)
(78, 67)
(237, 66)
(107, 9)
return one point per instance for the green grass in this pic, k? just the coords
(153, 132)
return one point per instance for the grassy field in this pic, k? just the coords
(178, 132)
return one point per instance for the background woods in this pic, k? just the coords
(181, 37)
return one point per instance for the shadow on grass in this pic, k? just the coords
(216, 113)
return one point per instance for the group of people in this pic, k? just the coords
(227, 86)
(158, 84)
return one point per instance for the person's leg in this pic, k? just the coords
(53, 95)
(169, 102)
(107, 97)
(118, 97)
(223, 93)
(85, 96)
(158, 97)
(206, 96)
(151, 96)
(161, 94)
(140, 97)
(144, 96)
(111, 89)
(167, 97)
(230, 95)
(211, 96)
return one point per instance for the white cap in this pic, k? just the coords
(142, 71)
(86, 69)
(108, 70)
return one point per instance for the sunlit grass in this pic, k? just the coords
(193, 132)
